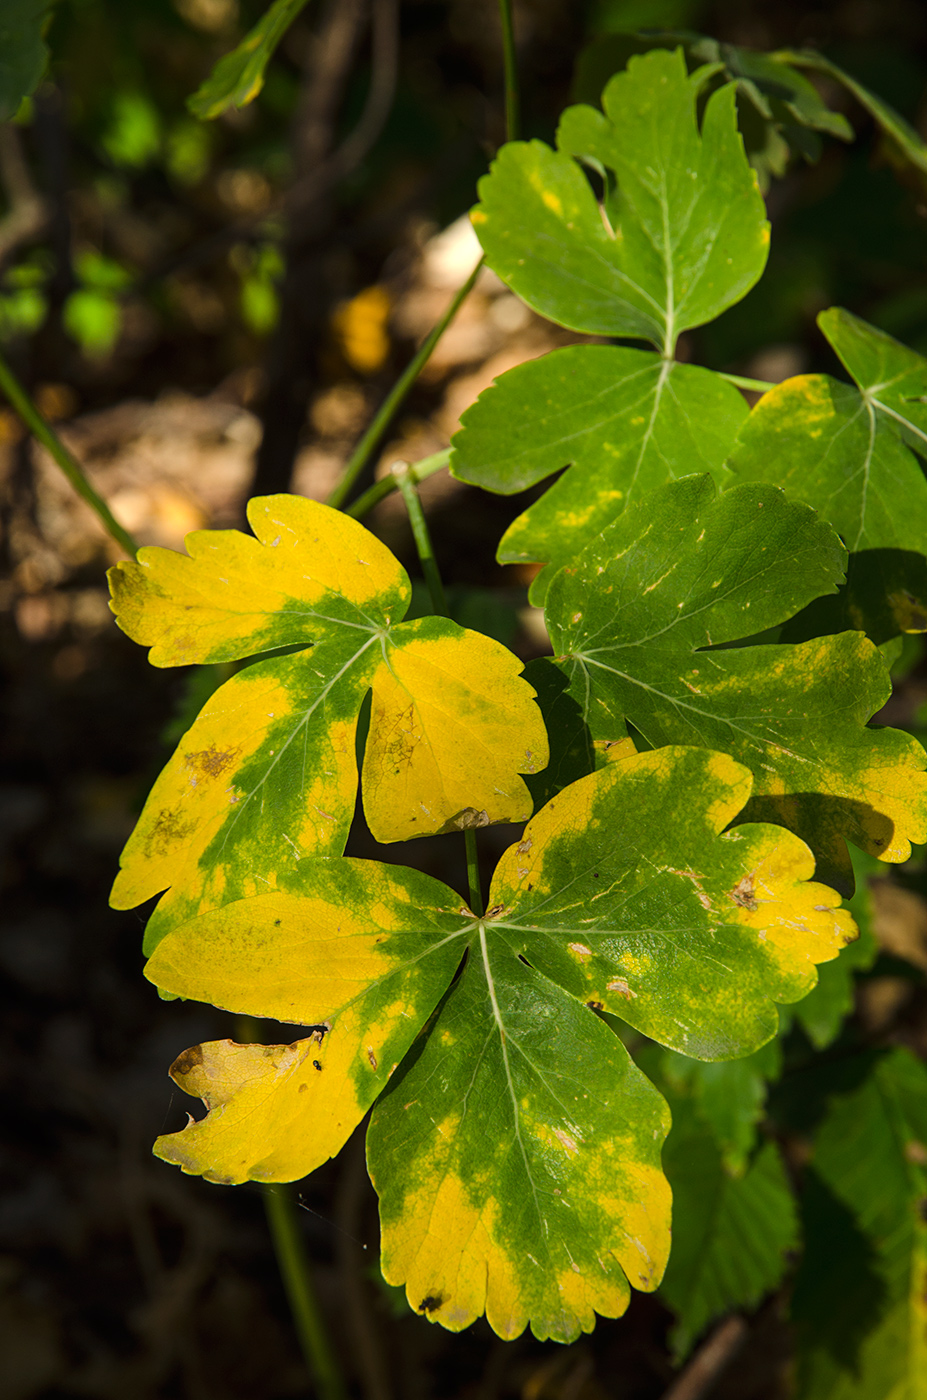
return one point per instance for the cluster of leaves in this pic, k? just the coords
(695, 751)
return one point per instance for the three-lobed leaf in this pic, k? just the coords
(267, 774)
(517, 1150)
(681, 234)
(636, 623)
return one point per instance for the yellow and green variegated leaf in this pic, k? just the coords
(518, 1160)
(267, 776)
(684, 233)
(239, 76)
(517, 1150)
(361, 953)
(625, 891)
(638, 624)
(847, 449)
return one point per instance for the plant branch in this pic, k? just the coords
(384, 416)
(406, 482)
(699, 1375)
(297, 1280)
(44, 433)
(512, 117)
(759, 386)
(473, 871)
(28, 211)
(418, 471)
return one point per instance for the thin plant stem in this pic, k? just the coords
(473, 872)
(387, 410)
(295, 1270)
(374, 494)
(512, 119)
(297, 1280)
(46, 435)
(403, 474)
(759, 386)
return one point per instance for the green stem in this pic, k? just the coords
(297, 1280)
(473, 872)
(512, 123)
(374, 494)
(293, 1263)
(406, 482)
(69, 464)
(759, 386)
(384, 416)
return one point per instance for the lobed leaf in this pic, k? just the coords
(359, 951)
(238, 77)
(848, 451)
(689, 570)
(266, 776)
(627, 420)
(683, 237)
(517, 1149)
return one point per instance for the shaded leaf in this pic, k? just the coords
(627, 420)
(238, 77)
(267, 774)
(689, 569)
(729, 1096)
(517, 1151)
(686, 238)
(731, 1234)
(869, 1161)
(847, 451)
(361, 951)
(23, 52)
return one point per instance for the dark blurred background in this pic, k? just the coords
(206, 311)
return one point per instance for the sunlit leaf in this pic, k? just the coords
(360, 951)
(627, 420)
(267, 774)
(682, 236)
(848, 451)
(866, 1240)
(689, 570)
(517, 1150)
(238, 77)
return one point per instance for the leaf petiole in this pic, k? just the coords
(473, 872)
(418, 471)
(402, 474)
(758, 386)
(44, 433)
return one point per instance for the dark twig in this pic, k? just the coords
(27, 211)
(714, 1355)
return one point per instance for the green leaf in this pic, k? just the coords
(23, 53)
(904, 144)
(731, 1234)
(682, 238)
(822, 1012)
(847, 451)
(688, 569)
(866, 1242)
(517, 1150)
(267, 774)
(627, 420)
(238, 77)
(730, 1095)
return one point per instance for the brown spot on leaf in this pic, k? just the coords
(743, 894)
(595, 1006)
(211, 762)
(187, 1060)
(525, 847)
(371, 1057)
(620, 985)
(303, 1088)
